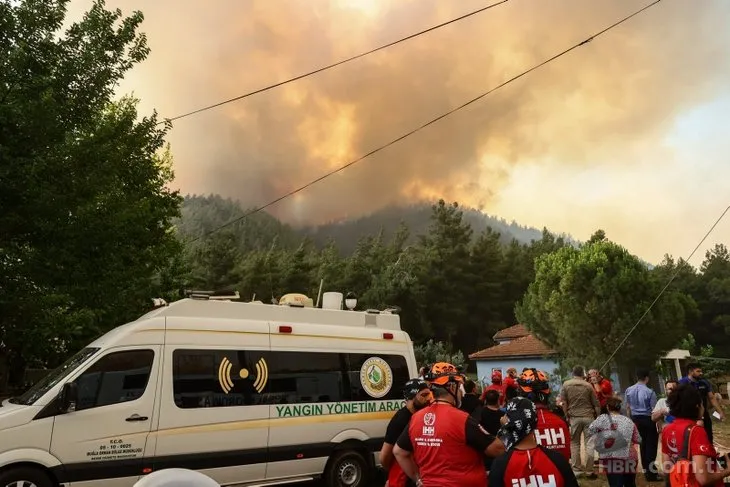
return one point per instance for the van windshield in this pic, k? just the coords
(40, 388)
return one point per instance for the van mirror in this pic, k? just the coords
(68, 397)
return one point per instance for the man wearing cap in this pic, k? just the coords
(526, 462)
(443, 446)
(417, 396)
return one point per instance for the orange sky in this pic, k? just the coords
(624, 134)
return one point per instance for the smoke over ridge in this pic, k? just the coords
(610, 102)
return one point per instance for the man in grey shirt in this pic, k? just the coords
(581, 407)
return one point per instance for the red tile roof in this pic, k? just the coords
(516, 331)
(526, 346)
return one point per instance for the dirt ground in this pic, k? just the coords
(721, 431)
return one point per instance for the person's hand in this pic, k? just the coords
(726, 459)
(700, 423)
(722, 414)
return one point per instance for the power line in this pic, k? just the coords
(339, 63)
(427, 124)
(674, 276)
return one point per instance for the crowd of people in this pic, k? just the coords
(512, 434)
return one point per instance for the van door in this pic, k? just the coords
(103, 441)
(214, 415)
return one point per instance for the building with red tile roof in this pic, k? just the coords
(516, 347)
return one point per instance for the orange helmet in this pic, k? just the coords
(535, 384)
(443, 373)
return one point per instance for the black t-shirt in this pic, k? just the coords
(490, 420)
(469, 403)
(398, 424)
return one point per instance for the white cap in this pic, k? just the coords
(176, 477)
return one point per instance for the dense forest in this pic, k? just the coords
(458, 280)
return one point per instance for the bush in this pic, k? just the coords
(431, 352)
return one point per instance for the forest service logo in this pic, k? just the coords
(376, 377)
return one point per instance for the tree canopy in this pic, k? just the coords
(86, 208)
(585, 300)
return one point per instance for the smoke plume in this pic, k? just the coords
(607, 103)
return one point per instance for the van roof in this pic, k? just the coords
(221, 309)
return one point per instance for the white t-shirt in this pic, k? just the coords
(661, 405)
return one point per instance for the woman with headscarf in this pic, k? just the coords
(526, 462)
(616, 438)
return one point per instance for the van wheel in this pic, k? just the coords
(25, 477)
(347, 469)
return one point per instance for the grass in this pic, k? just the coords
(721, 432)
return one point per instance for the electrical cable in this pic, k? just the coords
(423, 126)
(330, 66)
(674, 276)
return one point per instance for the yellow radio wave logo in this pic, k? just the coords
(224, 375)
(262, 375)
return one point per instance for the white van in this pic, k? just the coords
(246, 393)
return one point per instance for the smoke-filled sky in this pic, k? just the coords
(628, 133)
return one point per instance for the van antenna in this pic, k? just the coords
(253, 298)
(319, 294)
(267, 263)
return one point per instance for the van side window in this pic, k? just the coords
(307, 377)
(115, 378)
(219, 378)
(224, 378)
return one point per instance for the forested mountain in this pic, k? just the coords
(454, 281)
(417, 218)
(458, 280)
(202, 214)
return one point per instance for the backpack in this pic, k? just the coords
(681, 473)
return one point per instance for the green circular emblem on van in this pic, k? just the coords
(376, 377)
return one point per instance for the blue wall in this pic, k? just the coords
(484, 368)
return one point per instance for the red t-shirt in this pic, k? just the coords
(605, 393)
(699, 443)
(396, 426)
(534, 467)
(396, 476)
(448, 447)
(509, 388)
(552, 432)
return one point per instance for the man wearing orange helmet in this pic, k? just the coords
(551, 432)
(443, 446)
